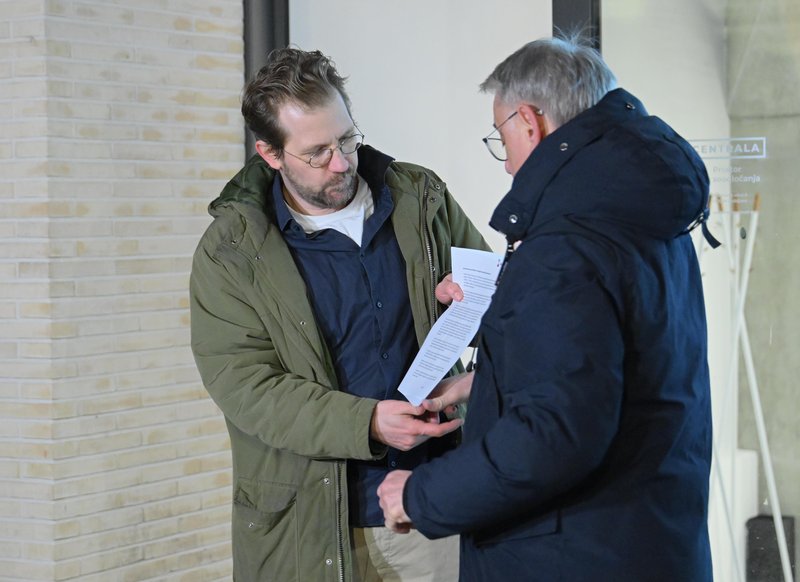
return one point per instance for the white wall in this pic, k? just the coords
(414, 69)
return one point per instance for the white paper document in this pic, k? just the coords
(476, 273)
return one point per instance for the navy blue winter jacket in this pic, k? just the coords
(587, 441)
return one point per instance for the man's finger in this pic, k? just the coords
(452, 290)
(434, 404)
(437, 430)
(446, 291)
(397, 527)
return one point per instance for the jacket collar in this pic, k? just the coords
(372, 166)
(515, 213)
(250, 190)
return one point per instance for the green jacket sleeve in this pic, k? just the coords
(462, 232)
(246, 374)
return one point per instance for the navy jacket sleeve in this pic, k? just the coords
(545, 402)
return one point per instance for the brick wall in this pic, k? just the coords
(119, 122)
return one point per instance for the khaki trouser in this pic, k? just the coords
(380, 555)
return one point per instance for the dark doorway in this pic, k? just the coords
(266, 27)
(578, 15)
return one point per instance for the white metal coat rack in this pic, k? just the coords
(741, 267)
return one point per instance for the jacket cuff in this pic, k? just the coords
(371, 448)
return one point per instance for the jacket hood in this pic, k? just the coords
(247, 186)
(613, 164)
(245, 207)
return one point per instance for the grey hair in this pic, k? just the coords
(560, 76)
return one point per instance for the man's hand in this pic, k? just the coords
(447, 291)
(449, 392)
(403, 426)
(390, 496)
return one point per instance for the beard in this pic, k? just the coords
(335, 195)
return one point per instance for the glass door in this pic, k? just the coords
(726, 75)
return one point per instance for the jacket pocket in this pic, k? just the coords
(264, 535)
(542, 525)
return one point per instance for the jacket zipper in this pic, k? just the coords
(339, 536)
(429, 250)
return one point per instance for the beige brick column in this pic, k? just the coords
(119, 122)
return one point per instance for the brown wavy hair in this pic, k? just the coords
(306, 78)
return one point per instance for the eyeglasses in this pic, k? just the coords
(495, 145)
(323, 156)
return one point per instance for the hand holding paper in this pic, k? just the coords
(448, 291)
(403, 426)
(449, 393)
(476, 273)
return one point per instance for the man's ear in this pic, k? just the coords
(269, 155)
(537, 123)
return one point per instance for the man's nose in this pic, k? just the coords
(339, 162)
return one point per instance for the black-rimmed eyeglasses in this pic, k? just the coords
(495, 145)
(323, 156)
